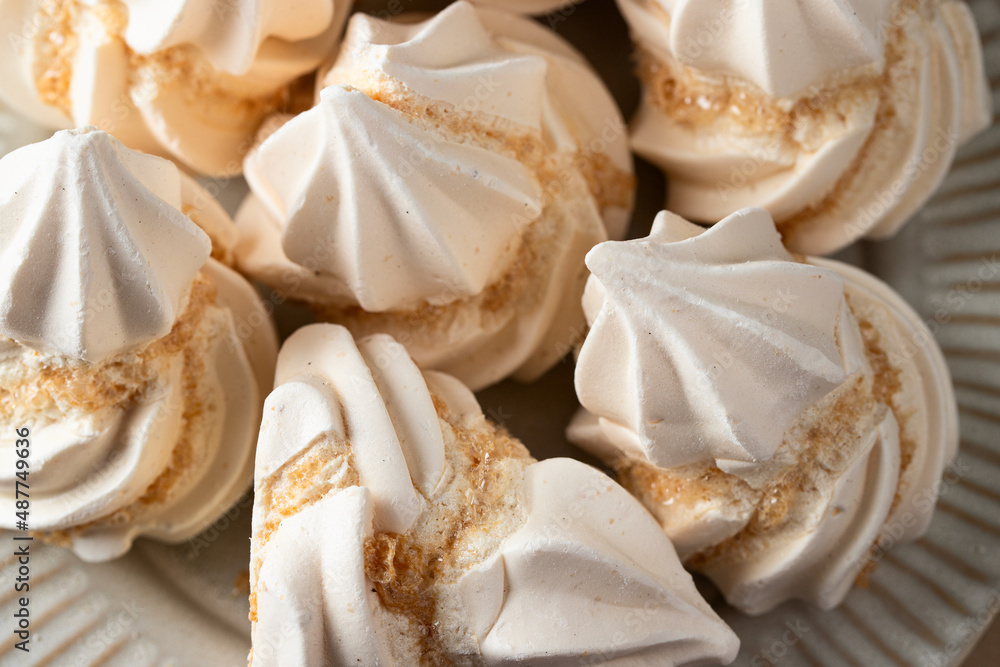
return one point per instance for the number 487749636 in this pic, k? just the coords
(21, 487)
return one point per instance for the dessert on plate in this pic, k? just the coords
(179, 78)
(444, 190)
(840, 118)
(776, 413)
(119, 348)
(394, 525)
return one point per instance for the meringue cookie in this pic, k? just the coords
(774, 414)
(839, 118)
(394, 525)
(444, 190)
(119, 349)
(185, 79)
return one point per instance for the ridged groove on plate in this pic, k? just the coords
(927, 601)
(122, 613)
(72, 621)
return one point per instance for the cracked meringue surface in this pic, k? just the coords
(839, 118)
(186, 79)
(444, 190)
(393, 524)
(775, 413)
(119, 348)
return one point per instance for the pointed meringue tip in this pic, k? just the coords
(65, 197)
(668, 227)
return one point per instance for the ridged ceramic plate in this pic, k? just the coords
(926, 604)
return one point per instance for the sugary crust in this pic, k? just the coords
(473, 510)
(59, 389)
(815, 453)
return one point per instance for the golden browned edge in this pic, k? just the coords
(241, 583)
(692, 101)
(819, 454)
(886, 391)
(300, 483)
(885, 118)
(54, 67)
(403, 572)
(181, 65)
(92, 388)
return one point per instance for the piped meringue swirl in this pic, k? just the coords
(119, 349)
(185, 79)
(394, 525)
(839, 118)
(775, 415)
(443, 190)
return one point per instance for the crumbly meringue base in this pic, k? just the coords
(475, 507)
(804, 524)
(189, 456)
(763, 512)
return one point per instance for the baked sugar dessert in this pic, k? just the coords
(444, 190)
(394, 525)
(840, 118)
(775, 412)
(184, 79)
(119, 349)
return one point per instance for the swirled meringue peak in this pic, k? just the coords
(138, 363)
(394, 525)
(96, 258)
(229, 32)
(781, 46)
(444, 189)
(840, 118)
(186, 79)
(775, 415)
(712, 356)
(463, 202)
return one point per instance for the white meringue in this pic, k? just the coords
(395, 252)
(781, 46)
(229, 33)
(443, 190)
(721, 370)
(774, 415)
(140, 395)
(839, 118)
(186, 79)
(365, 468)
(93, 261)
